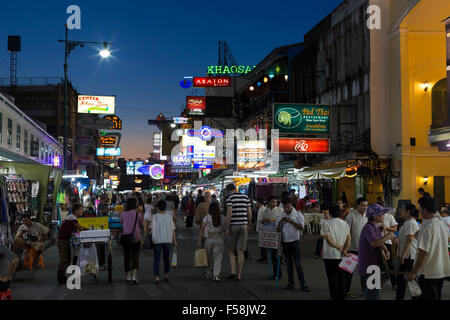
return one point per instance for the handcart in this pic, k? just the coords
(102, 240)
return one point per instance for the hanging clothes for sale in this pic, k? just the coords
(252, 189)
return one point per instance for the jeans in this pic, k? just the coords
(402, 283)
(348, 277)
(369, 294)
(336, 278)
(319, 246)
(292, 253)
(165, 248)
(214, 246)
(274, 259)
(131, 256)
(431, 288)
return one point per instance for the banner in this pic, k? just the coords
(268, 236)
(94, 223)
(301, 118)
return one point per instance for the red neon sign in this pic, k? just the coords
(196, 105)
(202, 82)
(303, 145)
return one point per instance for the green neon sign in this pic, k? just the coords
(297, 118)
(225, 70)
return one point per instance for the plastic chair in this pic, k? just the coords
(308, 224)
(30, 255)
(7, 295)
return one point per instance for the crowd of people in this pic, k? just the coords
(413, 245)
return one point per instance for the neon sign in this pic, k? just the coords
(230, 69)
(207, 82)
(205, 133)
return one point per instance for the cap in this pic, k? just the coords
(375, 210)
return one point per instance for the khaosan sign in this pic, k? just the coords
(207, 82)
(96, 104)
(236, 70)
(303, 145)
(196, 106)
(301, 118)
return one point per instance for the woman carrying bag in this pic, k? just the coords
(131, 240)
(163, 236)
(213, 228)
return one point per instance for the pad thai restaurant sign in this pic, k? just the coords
(295, 118)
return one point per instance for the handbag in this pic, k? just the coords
(200, 259)
(127, 239)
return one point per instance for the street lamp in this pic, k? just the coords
(69, 45)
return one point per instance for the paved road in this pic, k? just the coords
(186, 282)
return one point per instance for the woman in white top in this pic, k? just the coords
(407, 247)
(213, 228)
(163, 236)
(336, 234)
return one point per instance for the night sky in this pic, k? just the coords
(156, 44)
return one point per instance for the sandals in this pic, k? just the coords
(216, 279)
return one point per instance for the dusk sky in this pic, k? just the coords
(156, 44)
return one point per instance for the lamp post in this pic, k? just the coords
(69, 45)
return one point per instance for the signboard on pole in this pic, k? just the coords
(96, 104)
(268, 236)
(296, 118)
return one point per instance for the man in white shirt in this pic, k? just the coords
(432, 264)
(270, 215)
(390, 225)
(356, 220)
(290, 223)
(260, 211)
(337, 240)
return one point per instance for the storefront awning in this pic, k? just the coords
(326, 171)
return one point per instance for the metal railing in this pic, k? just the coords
(32, 81)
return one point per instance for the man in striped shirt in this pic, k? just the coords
(239, 214)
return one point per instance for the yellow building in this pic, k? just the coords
(408, 72)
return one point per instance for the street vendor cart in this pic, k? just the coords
(86, 255)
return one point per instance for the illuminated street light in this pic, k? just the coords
(105, 53)
(252, 88)
(173, 125)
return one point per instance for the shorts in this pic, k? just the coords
(238, 235)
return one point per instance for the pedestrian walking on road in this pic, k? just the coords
(163, 236)
(290, 223)
(356, 220)
(132, 222)
(371, 248)
(335, 247)
(432, 263)
(213, 227)
(407, 247)
(239, 216)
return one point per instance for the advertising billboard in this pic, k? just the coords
(109, 151)
(251, 154)
(96, 104)
(108, 140)
(196, 106)
(130, 168)
(303, 145)
(208, 82)
(117, 122)
(296, 118)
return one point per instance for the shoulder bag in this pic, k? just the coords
(127, 239)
